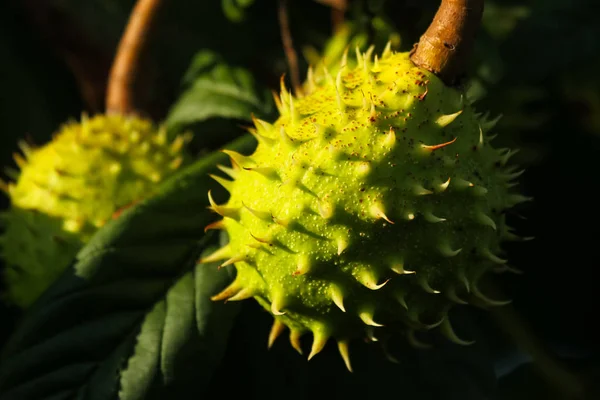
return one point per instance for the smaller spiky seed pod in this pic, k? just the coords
(70, 187)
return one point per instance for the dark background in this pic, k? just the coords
(536, 63)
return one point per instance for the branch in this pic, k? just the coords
(288, 46)
(446, 46)
(126, 64)
(520, 333)
(338, 12)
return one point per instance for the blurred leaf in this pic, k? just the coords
(234, 9)
(376, 6)
(584, 96)
(487, 67)
(133, 276)
(217, 90)
(499, 20)
(556, 37)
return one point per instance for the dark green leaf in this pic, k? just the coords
(217, 90)
(133, 276)
(181, 339)
(235, 9)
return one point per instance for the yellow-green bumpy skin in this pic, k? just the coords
(72, 186)
(375, 201)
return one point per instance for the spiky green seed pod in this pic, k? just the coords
(374, 202)
(72, 186)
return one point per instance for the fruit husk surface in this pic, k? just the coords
(374, 202)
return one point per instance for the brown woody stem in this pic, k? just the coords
(126, 64)
(288, 46)
(338, 12)
(446, 46)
